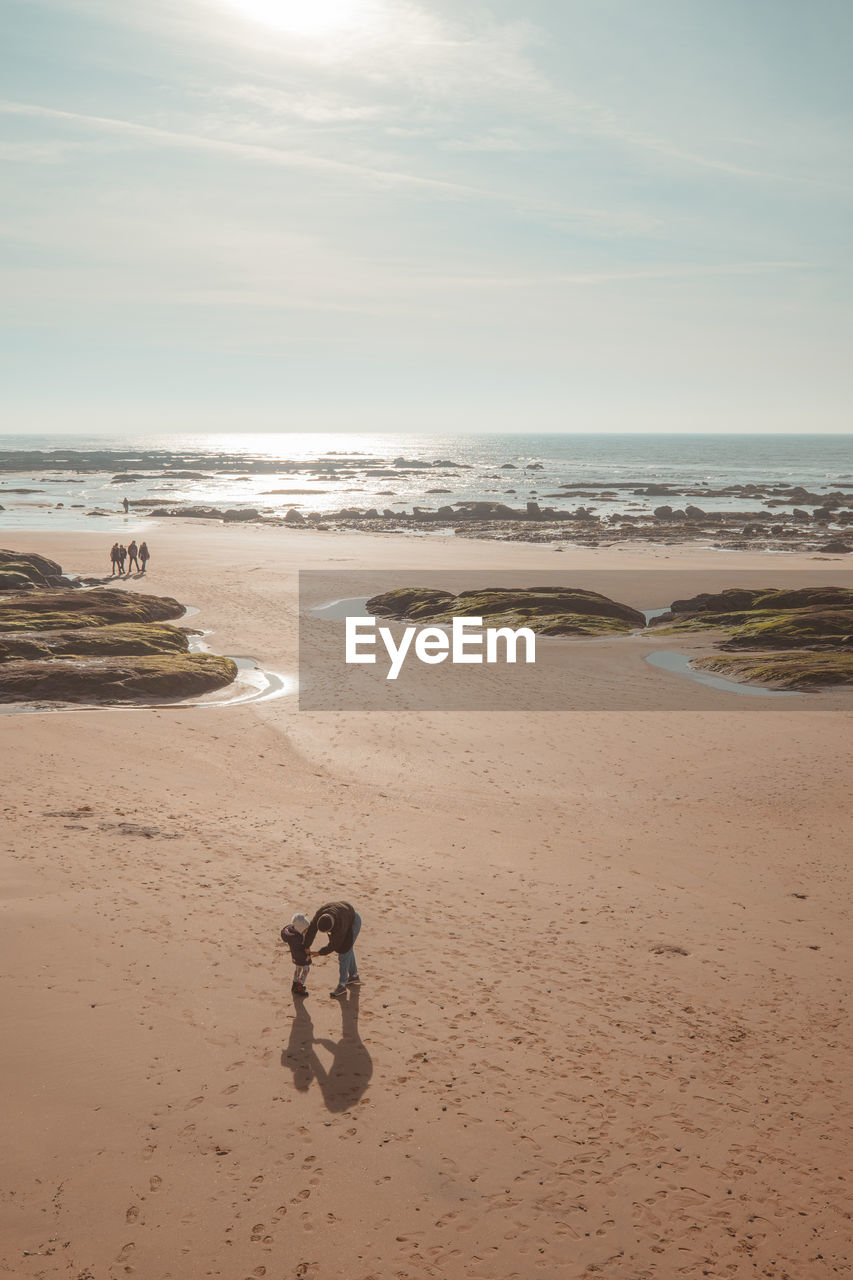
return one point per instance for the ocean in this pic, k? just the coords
(74, 481)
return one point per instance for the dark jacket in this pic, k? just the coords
(340, 935)
(298, 946)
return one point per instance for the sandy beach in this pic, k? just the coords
(604, 1024)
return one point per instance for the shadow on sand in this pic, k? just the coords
(347, 1078)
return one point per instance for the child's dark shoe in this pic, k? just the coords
(299, 989)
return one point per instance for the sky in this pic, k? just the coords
(384, 215)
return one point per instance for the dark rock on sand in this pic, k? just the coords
(193, 513)
(836, 548)
(785, 670)
(743, 599)
(38, 568)
(236, 516)
(104, 645)
(54, 610)
(486, 511)
(114, 680)
(546, 610)
(124, 639)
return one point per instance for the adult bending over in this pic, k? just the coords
(342, 923)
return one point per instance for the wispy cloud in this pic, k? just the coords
(245, 150)
(382, 177)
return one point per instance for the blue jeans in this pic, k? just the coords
(346, 959)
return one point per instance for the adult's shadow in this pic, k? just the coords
(347, 1079)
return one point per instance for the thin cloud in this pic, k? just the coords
(245, 150)
(608, 221)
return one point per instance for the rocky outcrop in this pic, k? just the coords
(550, 611)
(806, 634)
(785, 670)
(54, 610)
(115, 680)
(20, 571)
(238, 515)
(192, 513)
(122, 640)
(65, 644)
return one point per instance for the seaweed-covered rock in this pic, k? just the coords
(37, 568)
(12, 578)
(62, 609)
(115, 679)
(59, 643)
(741, 599)
(793, 628)
(554, 611)
(801, 670)
(123, 639)
(806, 617)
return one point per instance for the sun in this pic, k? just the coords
(307, 18)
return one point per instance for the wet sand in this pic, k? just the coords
(604, 1022)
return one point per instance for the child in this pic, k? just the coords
(293, 935)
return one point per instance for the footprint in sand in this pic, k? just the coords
(156, 1182)
(132, 1213)
(232, 1088)
(193, 1102)
(126, 1252)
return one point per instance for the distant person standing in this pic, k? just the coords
(132, 556)
(144, 555)
(114, 559)
(125, 504)
(342, 923)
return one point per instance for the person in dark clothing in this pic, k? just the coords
(114, 559)
(122, 556)
(125, 504)
(293, 935)
(132, 556)
(144, 555)
(342, 923)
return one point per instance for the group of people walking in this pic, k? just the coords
(342, 923)
(131, 555)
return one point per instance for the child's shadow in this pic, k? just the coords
(347, 1078)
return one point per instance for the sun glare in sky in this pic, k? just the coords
(307, 18)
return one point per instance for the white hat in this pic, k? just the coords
(300, 922)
